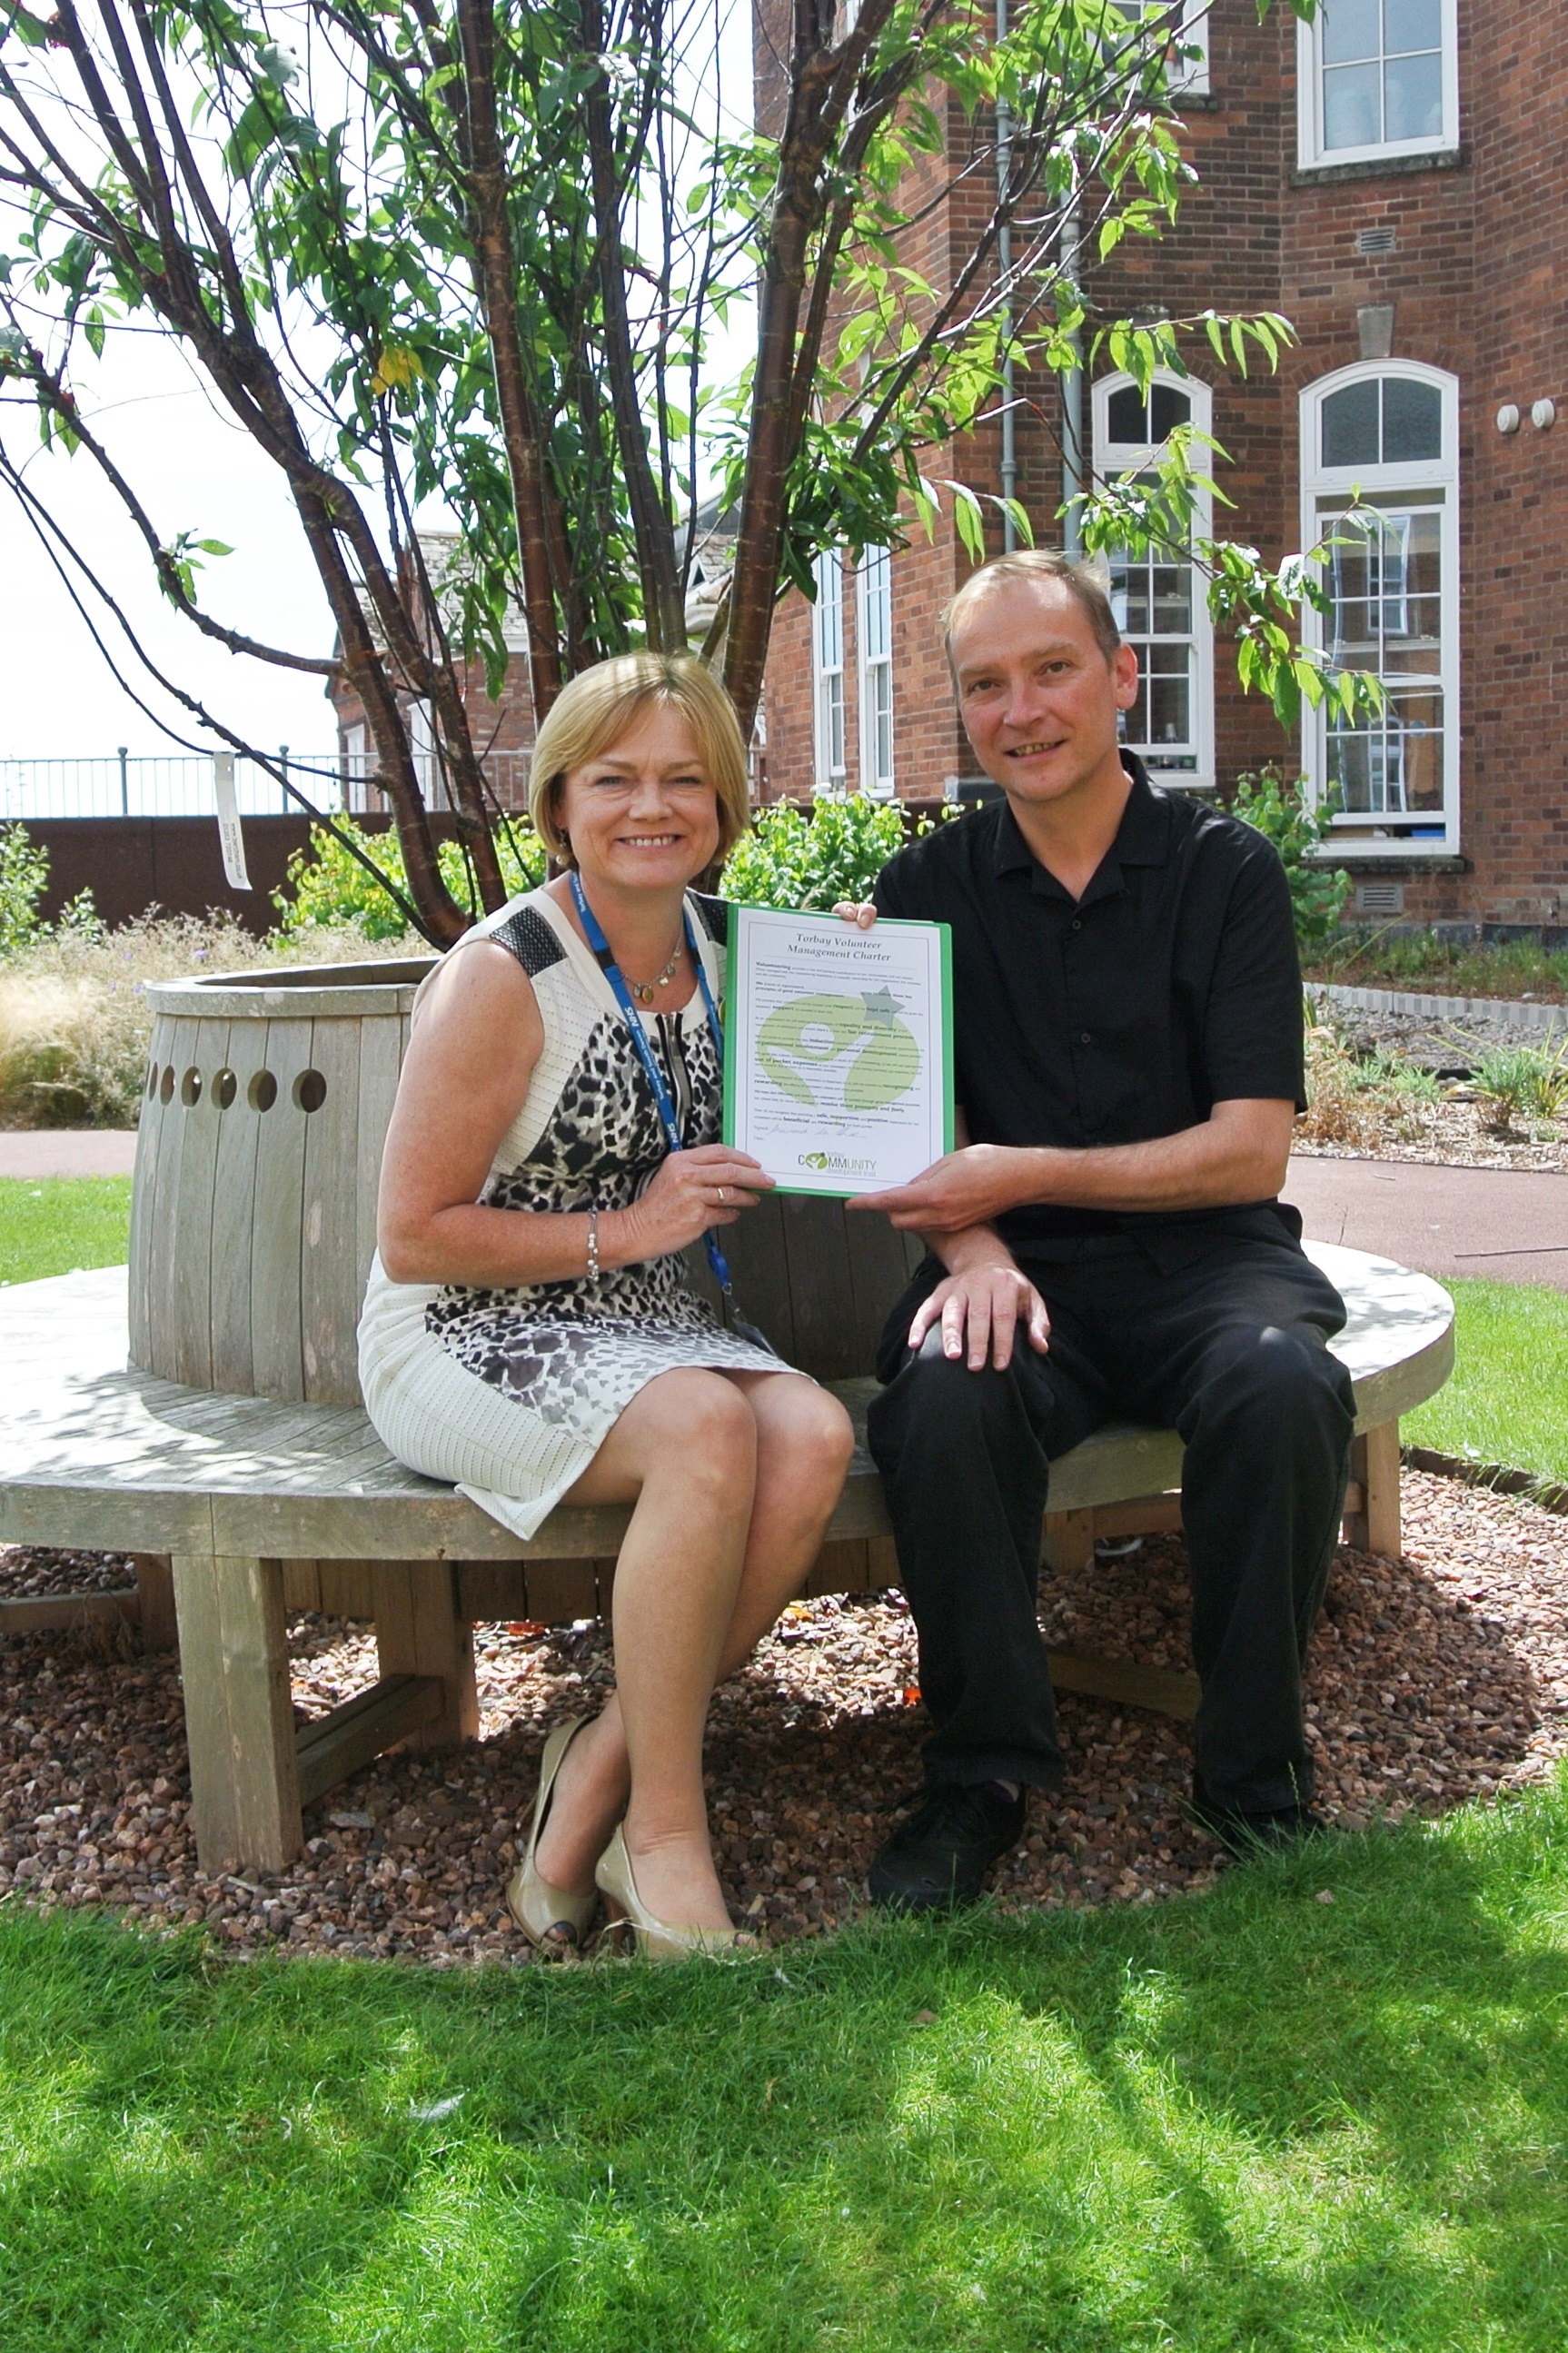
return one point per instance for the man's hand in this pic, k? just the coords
(852, 911)
(967, 1188)
(980, 1311)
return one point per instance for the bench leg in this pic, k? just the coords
(234, 1660)
(155, 1592)
(1375, 1466)
(419, 1632)
(1068, 1541)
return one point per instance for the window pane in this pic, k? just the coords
(1351, 29)
(1172, 601)
(1353, 114)
(1350, 770)
(1412, 421)
(1168, 710)
(1349, 426)
(1129, 597)
(1411, 25)
(1416, 726)
(1413, 98)
(1127, 415)
(1169, 408)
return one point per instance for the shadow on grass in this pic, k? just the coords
(1253, 2119)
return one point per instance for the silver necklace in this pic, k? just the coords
(644, 991)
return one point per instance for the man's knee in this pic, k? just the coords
(940, 1406)
(1278, 1380)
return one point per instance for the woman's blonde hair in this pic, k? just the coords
(603, 704)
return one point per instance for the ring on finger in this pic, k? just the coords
(722, 1195)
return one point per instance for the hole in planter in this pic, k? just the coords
(225, 1086)
(263, 1092)
(310, 1090)
(166, 1084)
(151, 1081)
(191, 1089)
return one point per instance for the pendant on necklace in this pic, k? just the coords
(645, 990)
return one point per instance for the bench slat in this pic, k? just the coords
(97, 1456)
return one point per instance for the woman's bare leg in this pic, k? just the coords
(801, 1448)
(685, 1452)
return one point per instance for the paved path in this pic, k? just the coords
(68, 1152)
(1508, 1225)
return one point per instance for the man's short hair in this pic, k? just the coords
(1084, 581)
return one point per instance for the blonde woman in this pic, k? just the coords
(527, 1332)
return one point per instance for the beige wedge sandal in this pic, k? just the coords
(658, 1940)
(555, 1922)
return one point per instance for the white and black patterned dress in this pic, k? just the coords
(511, 1393)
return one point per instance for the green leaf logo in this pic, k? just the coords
(821, 1030)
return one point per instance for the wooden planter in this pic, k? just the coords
(258, 1155)
(253, 1209)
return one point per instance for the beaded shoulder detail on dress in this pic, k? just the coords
(714, 915)
(531, 940)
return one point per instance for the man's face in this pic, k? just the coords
(1038, 698)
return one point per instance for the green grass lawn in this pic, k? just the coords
(60, 1222)
(1508, 1400)
(1249, 2120)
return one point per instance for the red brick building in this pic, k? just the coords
(503, 730)
(1389, 179)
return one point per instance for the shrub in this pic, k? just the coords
(1517, 1082)
(807, 860)
(75, 1020)
(1282, 811)
(24, 879)
(326, 888)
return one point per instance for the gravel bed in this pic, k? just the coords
(43, 1569)
(1451, 1134)
(1437, 1679)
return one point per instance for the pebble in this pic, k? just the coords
(1433, 1681)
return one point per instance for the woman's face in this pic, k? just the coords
(644, 814)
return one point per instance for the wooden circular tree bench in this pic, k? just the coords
(243, 1507)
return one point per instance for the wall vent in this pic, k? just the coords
(1374, 241)
(1380, 898)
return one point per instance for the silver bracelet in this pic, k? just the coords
(593, 1246)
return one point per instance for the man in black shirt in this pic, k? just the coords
(1107, 1241)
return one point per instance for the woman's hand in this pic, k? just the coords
(691, 1191)
(980, 1311)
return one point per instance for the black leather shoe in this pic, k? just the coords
(1243, 1834)
(937, 1860)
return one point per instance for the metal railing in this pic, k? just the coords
(160, 785)
(181, 785)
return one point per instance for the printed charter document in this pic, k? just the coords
(839, 1049)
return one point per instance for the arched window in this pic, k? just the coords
(1377, 77)
(1380, 486)
(1160, 600)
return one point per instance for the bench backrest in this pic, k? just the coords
(257, 1159)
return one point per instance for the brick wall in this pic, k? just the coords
(1477, 288)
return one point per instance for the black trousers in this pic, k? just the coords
(1230, 1348)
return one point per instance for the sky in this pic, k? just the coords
(194, 472)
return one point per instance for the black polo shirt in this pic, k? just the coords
(1170, 986)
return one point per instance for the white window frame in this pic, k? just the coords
(1186, 73)
(1113, 458)
(1358, 833)
(354, 761)
(1311, 154)
(828, 739)
(874, 587)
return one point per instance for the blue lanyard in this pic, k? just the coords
(655, 1076)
